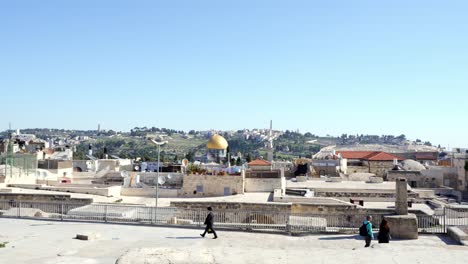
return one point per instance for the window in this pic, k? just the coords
(199, 188)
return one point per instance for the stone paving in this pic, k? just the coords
(54, 243)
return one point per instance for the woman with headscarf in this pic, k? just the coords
(384, 232)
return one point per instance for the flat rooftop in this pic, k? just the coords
(344, 185)
(50, 242)
(150, 201)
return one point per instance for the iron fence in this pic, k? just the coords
(228, 219)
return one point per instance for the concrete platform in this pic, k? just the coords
(54, 242)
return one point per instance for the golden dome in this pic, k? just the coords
(217, 142)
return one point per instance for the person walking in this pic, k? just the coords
(369, 235)
(209, 221)
(384, 232)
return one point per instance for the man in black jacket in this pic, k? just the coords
(209, 221)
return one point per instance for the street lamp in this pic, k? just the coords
(159, 144)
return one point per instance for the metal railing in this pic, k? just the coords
(228, 219)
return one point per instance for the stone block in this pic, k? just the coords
(334, 179)
(88, 236)
(401, 203)
(301, 178)
(375, 180)
(184, 222)
(173, 221)
(403, 226)
(458, 235)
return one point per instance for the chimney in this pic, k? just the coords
(90, 150)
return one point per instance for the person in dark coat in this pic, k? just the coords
(209, 221)
(384, 232)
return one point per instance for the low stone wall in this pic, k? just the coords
(34, 197)
(304, 208)
(212, 185)
(150, 192)
(112, 191)
(370, 195)
(222, 206)
(108, 191)
(458, 235)
(264, 184)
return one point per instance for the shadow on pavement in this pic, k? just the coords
(332, 238)
(448, 240)
(198, 237)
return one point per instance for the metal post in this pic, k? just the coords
(61, 211)
(19, 209)
(105, 213)
(445, 222)
(157, 176)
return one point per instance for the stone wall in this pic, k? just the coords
(226, 206)
(264, 185)
(150, 192)
(380, 168)
(357, 169)
(150, 178)
(371, 196)
(432, 178)
(212, 185)
(43, 198)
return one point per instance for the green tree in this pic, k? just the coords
(190, 156)
(248, 158)
(238, 161)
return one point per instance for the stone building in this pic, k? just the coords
(375, 162)
(261, 177)
(212, 185)
(418, 176)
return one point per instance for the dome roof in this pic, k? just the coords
(217, 142)
(411, 165)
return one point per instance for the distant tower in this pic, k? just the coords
(270, 143)
(99, 128)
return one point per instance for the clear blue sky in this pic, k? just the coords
(328, 67)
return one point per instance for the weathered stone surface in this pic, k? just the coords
(88, 236)
(165, 256)
(401, 203)
(403, 226)
(212, 185)
(375, 179)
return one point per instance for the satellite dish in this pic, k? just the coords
(169, 176)
(161, 180)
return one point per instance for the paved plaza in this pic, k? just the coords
(52, 242)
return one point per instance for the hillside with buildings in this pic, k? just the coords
(288, 144)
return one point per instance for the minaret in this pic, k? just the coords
(270, 143)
